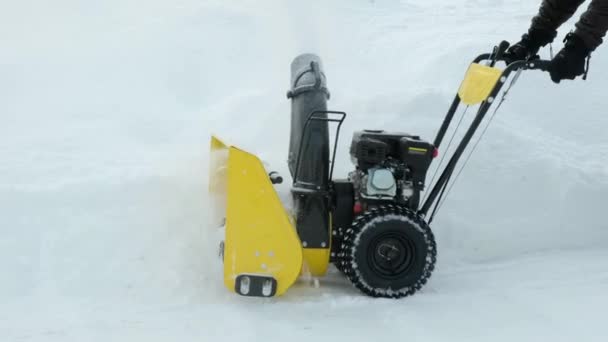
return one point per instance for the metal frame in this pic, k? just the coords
(439, 188)
(311, 118)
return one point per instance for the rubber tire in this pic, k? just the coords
(393, 219)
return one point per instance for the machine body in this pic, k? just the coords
(371, 223)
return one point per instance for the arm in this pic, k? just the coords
(573, 59)
(593, 24)
(553, 13)
(543, 30)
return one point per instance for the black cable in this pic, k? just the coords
(446, 150)
(502, 100)
(439, 203)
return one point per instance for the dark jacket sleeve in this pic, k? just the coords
(553, 13)
(591, 27)
(593, 24)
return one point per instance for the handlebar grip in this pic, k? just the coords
(502, 48)
(499, 51)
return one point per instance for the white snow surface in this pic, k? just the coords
(106, 111)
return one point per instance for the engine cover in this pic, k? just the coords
(380, 184)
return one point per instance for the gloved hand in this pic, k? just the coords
(570, 61)
(529, 45)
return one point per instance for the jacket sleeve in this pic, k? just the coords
(553, 13)
(593, 24)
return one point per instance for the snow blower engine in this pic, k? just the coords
(373, 224)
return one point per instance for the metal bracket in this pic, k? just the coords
(313, 117)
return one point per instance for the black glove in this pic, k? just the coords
(570, 61)
(529, 45)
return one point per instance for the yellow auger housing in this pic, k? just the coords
(265, 248)
(262, 252)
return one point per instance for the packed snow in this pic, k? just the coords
(107, 109)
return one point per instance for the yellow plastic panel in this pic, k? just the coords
(478, 83)
(260, 237)
(316, 261)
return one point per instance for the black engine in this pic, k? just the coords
(391, 167)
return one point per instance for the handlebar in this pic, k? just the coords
(499, 54)
(539, 64)
(435, 196)
(531, 64)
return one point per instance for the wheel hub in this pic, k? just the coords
(388, 251)
(391, 255)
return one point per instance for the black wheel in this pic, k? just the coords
(338, 236)
(388, 252)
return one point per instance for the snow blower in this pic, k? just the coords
(373, 225)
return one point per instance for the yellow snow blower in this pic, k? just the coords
(372, 225)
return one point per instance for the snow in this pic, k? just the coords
(107, 109)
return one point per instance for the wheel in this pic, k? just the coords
(388, 252)
(337, 237)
